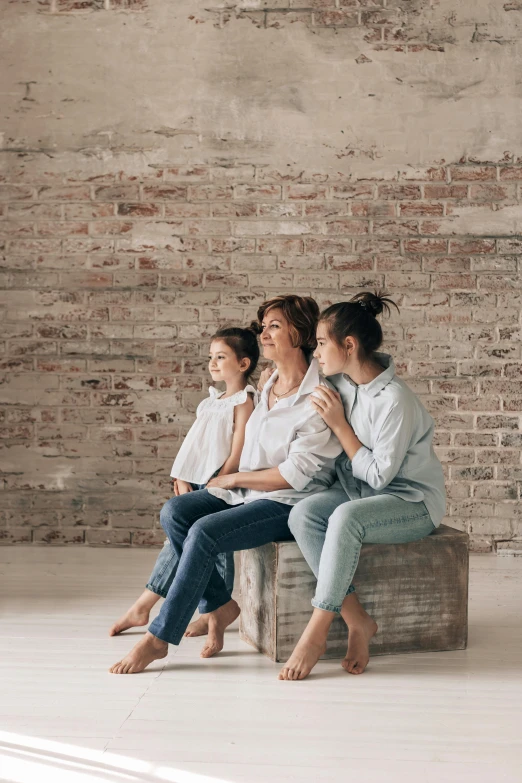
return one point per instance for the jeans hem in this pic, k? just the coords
(162, 635)
(214, 605)
(326, 607)
(156, 590)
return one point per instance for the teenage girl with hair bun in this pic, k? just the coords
(390, 484)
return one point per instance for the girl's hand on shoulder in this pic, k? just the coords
(329, 406)
(182, 487)
(264, 377)
(228, 481)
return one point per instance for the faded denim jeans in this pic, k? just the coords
(330, 530)
(200, 527)
(167, 563)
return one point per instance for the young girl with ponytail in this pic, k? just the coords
(390, 484)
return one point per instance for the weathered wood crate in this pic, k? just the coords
(417, 593)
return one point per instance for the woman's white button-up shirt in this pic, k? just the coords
(290, 436)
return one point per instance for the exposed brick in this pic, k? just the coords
(15, 192)
(472, 246)
(427, 246)
(257, 192)
(407, 208)
(335, 18)
(511, 173)
(472, 173)
(446, 191)
(350, 227)
(399, 192)
(116, 281)
(306, 192)
(108, 537)
(64, 193)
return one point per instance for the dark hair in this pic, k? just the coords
(358, 318)
(301, 312)
(243, 342)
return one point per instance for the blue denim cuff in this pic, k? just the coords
(157, 590)
(326, 607)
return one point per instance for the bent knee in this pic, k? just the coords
(345, 516)
(168, 513)
(304, 515)
(201, 532)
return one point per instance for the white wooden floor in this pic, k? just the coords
(428, 717)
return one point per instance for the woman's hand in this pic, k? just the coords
(227, 481)
(182, 487)
(263, 378)
(329, 406)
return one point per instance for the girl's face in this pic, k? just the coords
(223, 363)
(276, 337)
(330, 356)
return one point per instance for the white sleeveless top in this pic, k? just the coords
(209, 441)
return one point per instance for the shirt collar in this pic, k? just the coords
(308, 384)
(378, 384)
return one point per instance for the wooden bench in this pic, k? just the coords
(417, 593)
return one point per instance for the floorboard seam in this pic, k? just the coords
(106, 748)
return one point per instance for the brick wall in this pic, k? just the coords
(120, 255)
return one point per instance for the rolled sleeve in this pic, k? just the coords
(378, 467)
(314, 444)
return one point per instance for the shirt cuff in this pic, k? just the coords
(293, 476)
(361, 463)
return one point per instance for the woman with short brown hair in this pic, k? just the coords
(289, 454)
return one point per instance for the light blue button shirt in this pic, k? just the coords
(397, 457)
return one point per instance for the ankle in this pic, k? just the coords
(146, 601)
(314, 637)
(155, 641)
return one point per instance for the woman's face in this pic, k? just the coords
(332, 359)
(223, 364)
(276, 337)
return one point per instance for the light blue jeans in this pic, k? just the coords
(330, 530)
(167, 562)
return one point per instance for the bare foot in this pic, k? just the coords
(148, 649)
(358, 654)
(302, 660)
(131, 619)
(218, 621)
(138, 614)
(199, 627)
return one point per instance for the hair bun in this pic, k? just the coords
(255, 327)
(374, 302)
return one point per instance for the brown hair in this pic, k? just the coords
(302, 314)
(243, 342)
(358, 318)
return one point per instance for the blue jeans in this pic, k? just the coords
(167, 563)
(166, 566)
(330, 530)
(200, 527)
